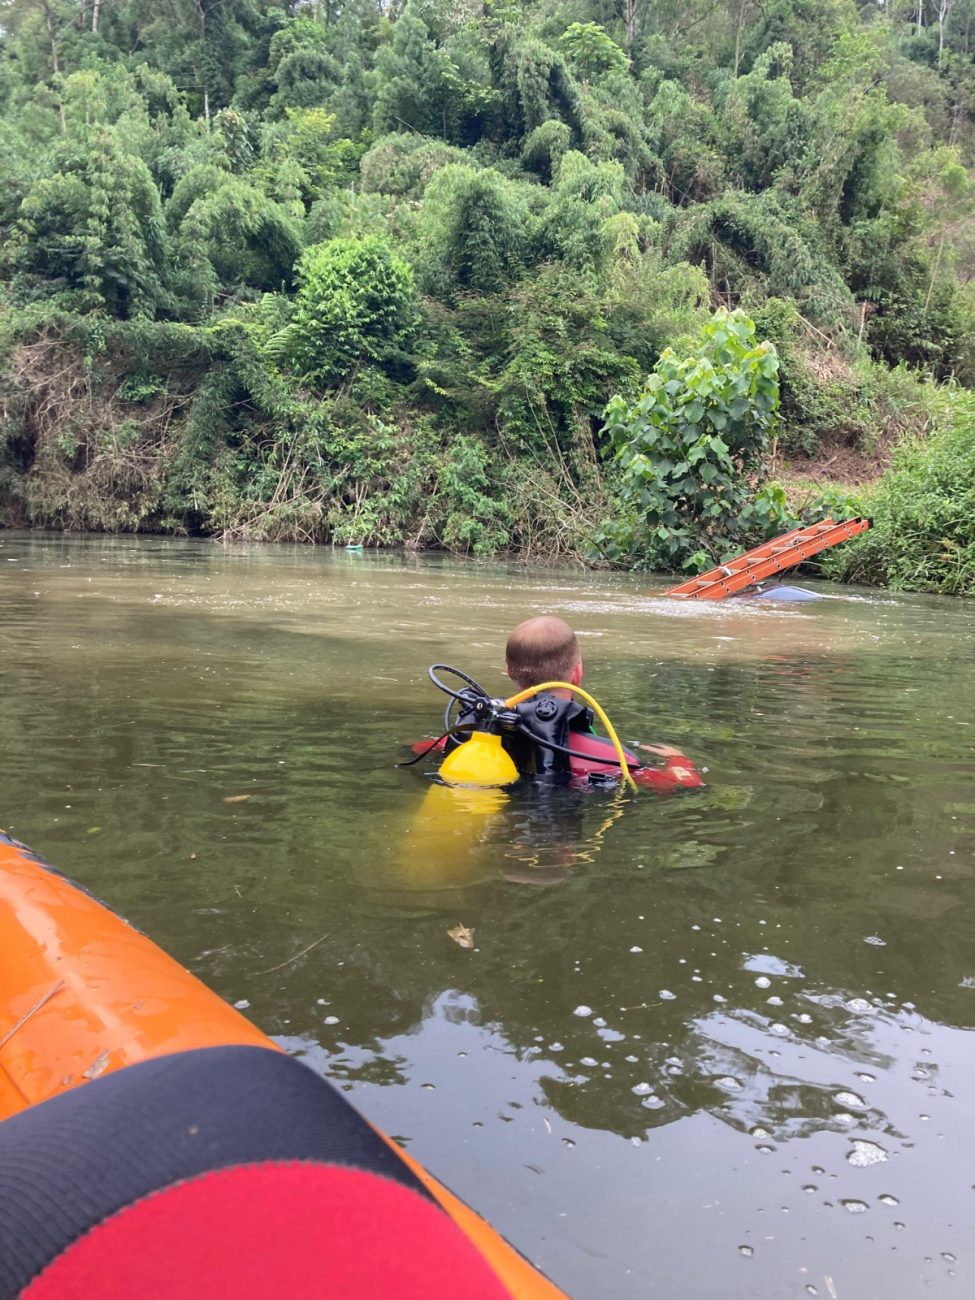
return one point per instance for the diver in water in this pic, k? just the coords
(544, 649)
(552, 737)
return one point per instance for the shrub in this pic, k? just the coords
(923, 509)
(356, 303)
(692, 450)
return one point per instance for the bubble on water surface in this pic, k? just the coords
(778, 1029)
(867, 1078)
(641, 1089)
(666, 995)
(876, 941)
(747, 1251)
(862, 1154)
(582, 1011)
(855, 1207)
(728, 1083)
(556, 1047)
(810, 1188)
(765, 1150)
(804, 1019)
(599, 1022)
(774, 1001)
(849, 1099)
(858, 1004)
(946, 1254)
(887, 1199)
(635, 948)
(652, 1102)
(588, 1060)
(766, 963)
(331, 1020)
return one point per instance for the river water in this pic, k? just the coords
(713, 1046)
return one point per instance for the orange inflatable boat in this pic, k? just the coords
(85, 996)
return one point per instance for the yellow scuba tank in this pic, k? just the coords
(481, 760)
(451, 840)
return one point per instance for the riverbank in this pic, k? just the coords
(171, 429)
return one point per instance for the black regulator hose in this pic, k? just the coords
(456, 697)
(446, 668)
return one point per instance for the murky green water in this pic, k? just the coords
(772, 1095)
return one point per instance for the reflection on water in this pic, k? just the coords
(715, 1045)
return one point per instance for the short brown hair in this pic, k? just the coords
(542, 649)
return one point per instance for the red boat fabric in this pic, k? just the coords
(299, 1230)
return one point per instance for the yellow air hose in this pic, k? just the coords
(596, 708)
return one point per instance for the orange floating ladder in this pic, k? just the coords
(754, 566)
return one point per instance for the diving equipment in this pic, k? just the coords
(531, 730)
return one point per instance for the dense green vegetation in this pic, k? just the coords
(922, 509)
(565, 277)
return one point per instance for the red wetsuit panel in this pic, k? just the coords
(429, 747)
(598, 747)
(678, 773)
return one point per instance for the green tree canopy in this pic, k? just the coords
(355, 302)
(90, 231)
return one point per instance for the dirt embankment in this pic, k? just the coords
(843, 468)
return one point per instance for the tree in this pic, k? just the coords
(228, 234)
(473, 231)
(692, 450)
(592, 51)
(355, 303)
(584, 196)
(90, 231)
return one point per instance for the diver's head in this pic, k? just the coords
(543, 649)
